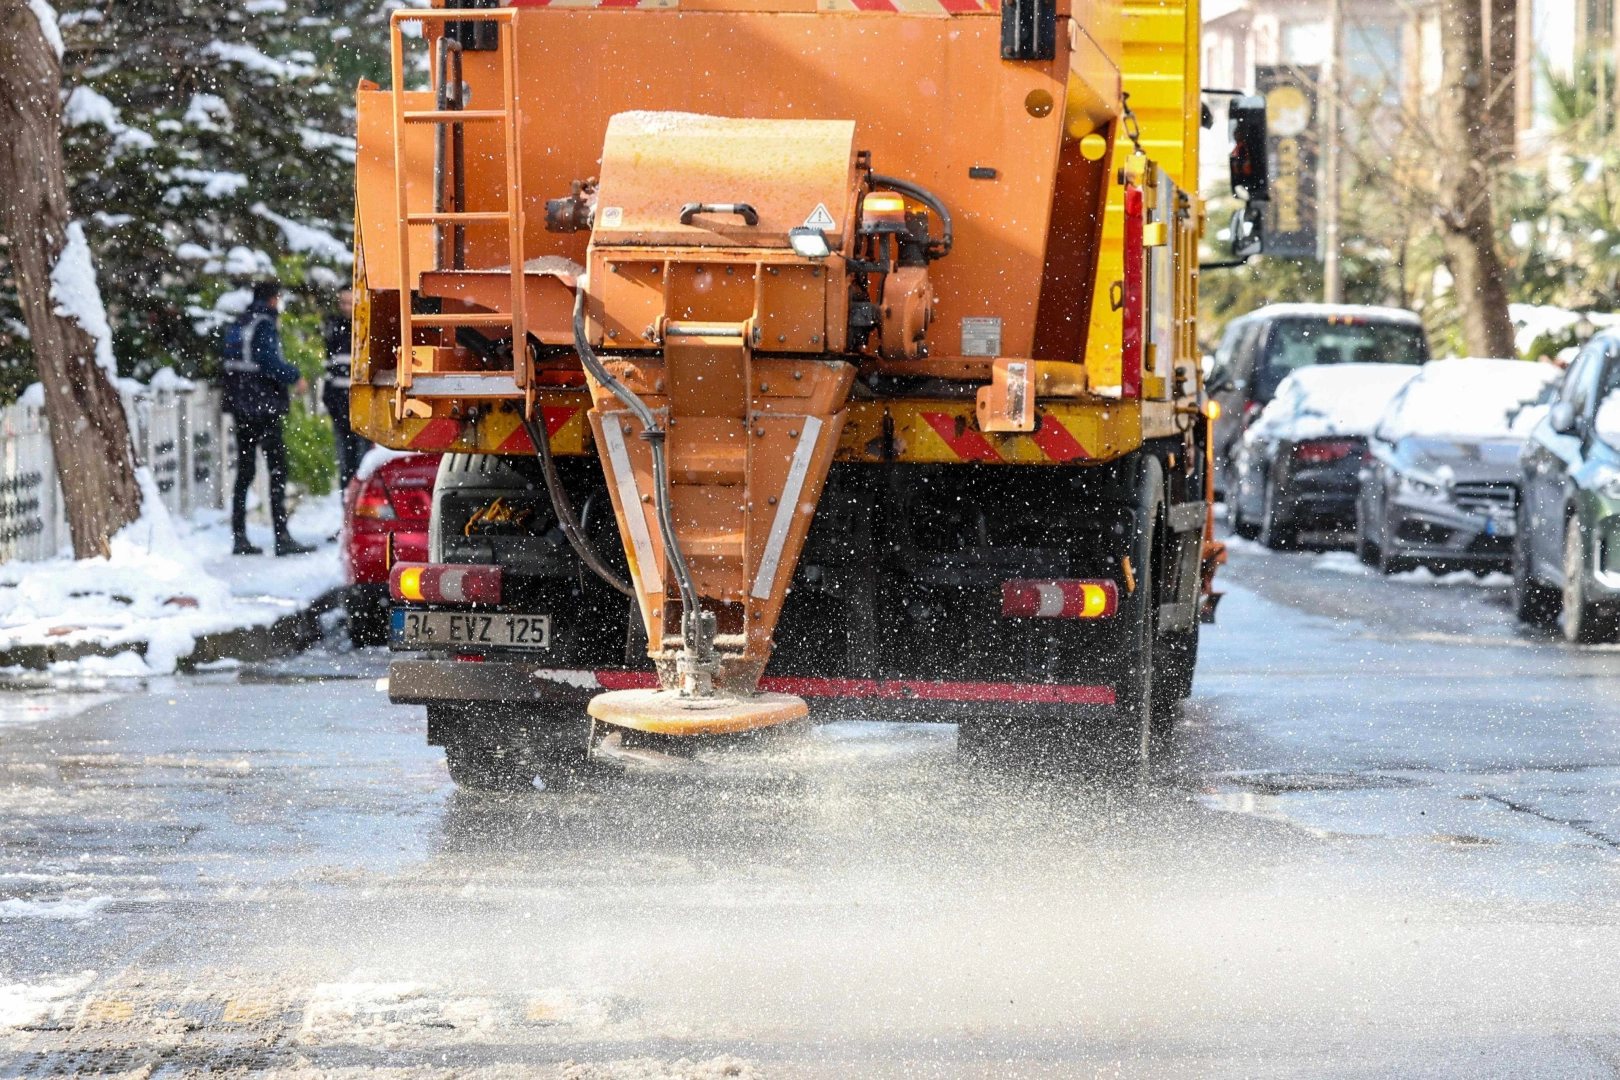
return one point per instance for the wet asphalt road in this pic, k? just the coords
(1383, 842)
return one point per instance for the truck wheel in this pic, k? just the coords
(485, 767)
(491, 754)
(1178, 656)
(1130, 740)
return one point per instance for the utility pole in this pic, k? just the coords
(1332, 279)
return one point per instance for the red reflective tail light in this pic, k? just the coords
(436, 583)
(372, 501)
(1324, 451)
(1063, 598)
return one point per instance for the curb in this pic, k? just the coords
(293, 632)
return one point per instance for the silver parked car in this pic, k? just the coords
(1440, 481)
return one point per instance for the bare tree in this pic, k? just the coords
(1501, 30)
(1465, 207)
(89, 433)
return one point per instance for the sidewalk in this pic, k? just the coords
(171, 597)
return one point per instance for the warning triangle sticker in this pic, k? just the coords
(819, 218)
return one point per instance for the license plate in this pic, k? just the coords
(1495, 526)
(424, 629)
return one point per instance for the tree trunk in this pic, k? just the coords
(1501, 58)
(1466, 214)
(89, 433)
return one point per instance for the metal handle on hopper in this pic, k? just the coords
(749, 215)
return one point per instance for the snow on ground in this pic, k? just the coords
(1343, 562)
(164, 584)
(29, 1003)
(63, 908)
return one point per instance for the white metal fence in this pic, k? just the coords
(181, 433)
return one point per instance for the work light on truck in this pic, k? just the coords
(883, 212)
(809, 243)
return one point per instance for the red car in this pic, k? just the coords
(385, 520)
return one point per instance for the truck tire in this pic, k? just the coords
(483, 766)
(484, 754)
(1129, 740)
(1178, 657)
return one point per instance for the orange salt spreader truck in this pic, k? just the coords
(788, 357)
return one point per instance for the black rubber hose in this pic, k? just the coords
(928, 198)
(564, 509)
(654, 434)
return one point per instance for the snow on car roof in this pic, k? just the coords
(378, 456)
(1330, 399)
(1354, 311)
(1468, 398)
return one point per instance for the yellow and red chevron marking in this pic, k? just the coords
(949, 7)
(908, 429)
(594, 3)
(948, 432)
(498, 432)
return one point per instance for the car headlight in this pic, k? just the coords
(1419, 486)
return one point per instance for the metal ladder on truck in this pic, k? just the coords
(419, 374)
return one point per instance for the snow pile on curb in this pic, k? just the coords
(164, 584)
(1343, 562)
(29, 1003)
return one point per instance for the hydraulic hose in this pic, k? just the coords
(695, 641)
(927, 198)
(566, 521)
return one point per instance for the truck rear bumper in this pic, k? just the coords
(426, 682)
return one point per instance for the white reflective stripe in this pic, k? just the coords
(450, 586)
(1051, 605)
(625, 480)
(786, 508)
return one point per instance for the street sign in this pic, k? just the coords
(1290, 94)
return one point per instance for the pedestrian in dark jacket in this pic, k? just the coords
(338, 331)
(257, 376)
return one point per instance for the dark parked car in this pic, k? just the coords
(1261, 349)
(1567, 551)
(1440, 484)
(385, 520)
(1296, 466)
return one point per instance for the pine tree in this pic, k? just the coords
(208, 142)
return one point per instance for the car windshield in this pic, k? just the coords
(1297, 343)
